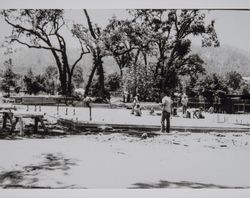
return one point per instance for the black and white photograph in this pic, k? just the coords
(124, 98)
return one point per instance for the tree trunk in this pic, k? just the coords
(100, 72)
(90, 80)
(98, 65)
(63, 84)
(69, 84)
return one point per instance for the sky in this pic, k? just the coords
(232, 26)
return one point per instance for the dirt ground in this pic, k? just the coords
(179, 160)
(120, 161)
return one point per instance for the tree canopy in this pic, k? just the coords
(40, 29)
(153, 47)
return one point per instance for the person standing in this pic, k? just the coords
(184, 102)
(166, 111)
(135, 102)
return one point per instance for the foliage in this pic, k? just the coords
(93, 39)
(126, 40)
(169, 32)
(113, 82)
(78, 77)
(154, 46)
(139, 80)
(210, 86)
(34, 84)
(160, 39)
(245, 90)
(41, 29)
(9, 77)
(233, 79)
(51, 78)
(94, 92)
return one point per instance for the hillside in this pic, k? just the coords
(38, 60)
(224, 59)
(218, 60)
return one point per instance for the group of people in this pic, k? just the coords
(166, 110)
(166, 107)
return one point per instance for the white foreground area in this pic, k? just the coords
(178, 160)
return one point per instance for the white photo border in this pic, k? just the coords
(125, 4)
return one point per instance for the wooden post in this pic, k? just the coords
(4, 120)
(90, 113)
(40, 109)
(13, 125)
(57, 109)
(21, 126)
(27, 108)
(35, 108)
(66, 113)
(74, 111)
(36, 124)
(10, 117)
(42, 123)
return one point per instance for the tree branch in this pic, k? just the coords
(89, 24)
(46, 40)
(81, 55)
(175, 22)
(25, 29)
(35, 46)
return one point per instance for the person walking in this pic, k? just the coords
(166, 111)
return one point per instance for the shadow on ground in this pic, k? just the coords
(28, 176)
(52, 162)
(181, 184)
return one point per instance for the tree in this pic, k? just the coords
(78, 77)
(34, 84)
(38, 85)
(126, 40)
(211, 86)
(170, 32)
(245, 91)
(9, 77)
(233, 80)
(40, 29)
(92, 36)
(28, 80)
(161, 40)
(51, 79)
(128, 43)
(140, 80)
(113, 82)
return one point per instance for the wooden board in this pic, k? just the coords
(148, 128)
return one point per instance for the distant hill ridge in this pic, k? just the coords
(224, 59)
(218, 60)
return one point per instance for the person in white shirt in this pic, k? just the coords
(184, 102)
(135, 102)
(166, 111)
